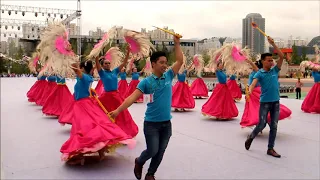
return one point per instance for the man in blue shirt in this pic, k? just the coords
(269, 98)
(157, 125)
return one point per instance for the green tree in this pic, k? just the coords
(295, 59)
(206, 58)
(164, 48)
(74, 45)
(12, 49)
(104, 51)
(3, 68)
(19, 53)
(142, 63)
(17, 67)
(123, 47)
(87, 50)
(304, 53)
(157, 47)
(84, 45)
(171, 57)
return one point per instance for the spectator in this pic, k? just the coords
(299, 84)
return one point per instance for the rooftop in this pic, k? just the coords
(254, 15)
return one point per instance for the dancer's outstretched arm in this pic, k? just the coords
(254, 66)
(126, 103)
(125, 61)
(178, 55)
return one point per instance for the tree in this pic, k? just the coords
(171, 57)
(84, 45)
(295, 59)
(157, 47)
(142, 63)
(74, 45)
(164, 48)
(3, 68)
(17, 67)
(12, 49)
(87, 50)
(206, 58)
(304, 53)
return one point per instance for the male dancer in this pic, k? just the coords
(157, 124)
(269, 98)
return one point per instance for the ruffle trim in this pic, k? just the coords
(98, 146)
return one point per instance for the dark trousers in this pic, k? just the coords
(265, 108)
(298, 93)
(157, 135)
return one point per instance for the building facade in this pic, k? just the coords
(251, 37)
(3, 47)
(31, 31)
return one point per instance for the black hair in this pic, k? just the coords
(264, 55)
(101, 61)
(156, 55)
(219, 62)
(87, 66)
(259, 64)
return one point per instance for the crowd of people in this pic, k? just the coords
(101, 121)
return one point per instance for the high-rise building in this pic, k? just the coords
(31, 31)
(251, 37)
(73, 29)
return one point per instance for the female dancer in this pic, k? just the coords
(123, 84)
(58, 100)
(92, 130)
(134, 82)
(50, 86)
(234, 88)
(37, 88)
(111, 98)
(220, 105)
(99, 87)
(198, 88)
(181, 94)
(250, 116)
(311, 103)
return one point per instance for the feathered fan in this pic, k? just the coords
(114, 56)
(147, 67)
(198, 63)
(55, 51)
(33, 62)
(140, 44)
(130, 65)
(310, 65)
(106, 39)
(232, 57)
(214, 58)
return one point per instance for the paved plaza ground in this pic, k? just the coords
(199, 148)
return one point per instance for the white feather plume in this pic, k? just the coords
(130, 65)
(55, 63)
(147, 67)
(139, 43)
(106, 39)
(198, 64)
(184, 65)
(115, 56)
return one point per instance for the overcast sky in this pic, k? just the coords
(192, 19)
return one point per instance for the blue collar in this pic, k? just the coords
(155, 77)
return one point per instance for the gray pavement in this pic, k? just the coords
(199, 148)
